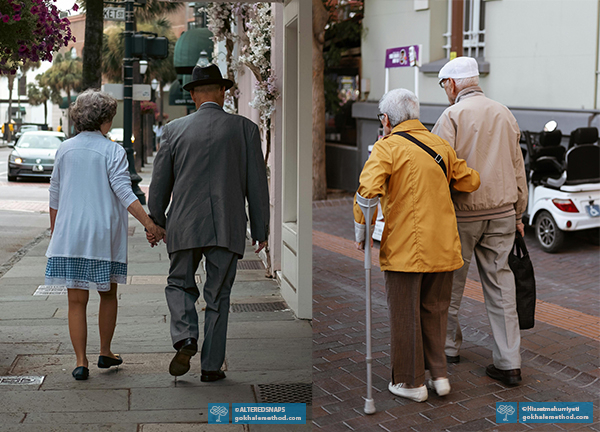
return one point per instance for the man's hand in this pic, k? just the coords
(154, 234)
(521, 228)
(261, 245)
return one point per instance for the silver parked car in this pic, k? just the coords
(33, 154)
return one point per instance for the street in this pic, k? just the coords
(560, 355)
(23, 210)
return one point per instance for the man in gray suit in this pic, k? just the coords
(208, 165)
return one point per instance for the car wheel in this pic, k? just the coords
(547, 232)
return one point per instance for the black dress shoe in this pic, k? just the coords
(453, 359)
(508, 377)
(186, 349)
(81, 373)
(209, 376)
(104, 362)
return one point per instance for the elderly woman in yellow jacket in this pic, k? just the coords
(420, 246)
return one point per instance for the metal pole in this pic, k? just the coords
(416, 68)
(387, 80)
(128, 101)
(367, 205)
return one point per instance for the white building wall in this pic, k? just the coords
(542, 53)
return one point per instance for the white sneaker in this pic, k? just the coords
(440, 385)
(418, 394)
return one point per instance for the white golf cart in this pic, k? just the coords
(564, 184)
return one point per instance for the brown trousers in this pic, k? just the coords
(418, 308)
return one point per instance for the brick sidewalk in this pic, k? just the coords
(558, 363)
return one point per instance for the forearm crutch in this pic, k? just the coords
(367, 205)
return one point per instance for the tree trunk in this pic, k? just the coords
(46, 112)
(320, 18)
(11, 84)
(69, 132)
(92, 60)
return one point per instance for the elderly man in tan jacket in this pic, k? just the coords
(486, 135)
(420, 246)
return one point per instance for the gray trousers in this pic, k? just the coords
(182, 293)
(491, 241)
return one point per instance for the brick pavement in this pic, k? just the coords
(558, 364)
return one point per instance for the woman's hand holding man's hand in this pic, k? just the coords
(155, 234)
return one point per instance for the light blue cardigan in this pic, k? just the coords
(91, 189)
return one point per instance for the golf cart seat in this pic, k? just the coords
(583, 164)
(585, 135)
(550, 146)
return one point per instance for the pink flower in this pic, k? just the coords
(5, 18)
(16, 7)
(75, 7)
(34, 10)
(17, 17)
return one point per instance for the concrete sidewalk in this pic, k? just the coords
(561, 354)
(268, 353)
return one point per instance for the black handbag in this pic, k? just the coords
(521, 266)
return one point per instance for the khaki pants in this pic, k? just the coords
(418, 309)
(491, 241)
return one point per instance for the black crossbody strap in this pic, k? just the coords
(438, 158)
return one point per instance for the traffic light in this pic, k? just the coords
(139, 45)
(157, 47)
(152, 47)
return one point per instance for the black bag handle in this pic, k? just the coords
(519, 247)
(438, 158)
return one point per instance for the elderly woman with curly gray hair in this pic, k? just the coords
(90, 195)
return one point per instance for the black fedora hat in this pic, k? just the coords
(207, 75)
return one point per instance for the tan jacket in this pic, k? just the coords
(420, 234)
(486, 135)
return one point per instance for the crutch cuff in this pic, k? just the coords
(359, 232)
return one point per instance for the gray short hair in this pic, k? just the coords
(92, 109)
(399, 105)
(463, 83)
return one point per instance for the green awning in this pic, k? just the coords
(64, 104)
(177, 95)
(188, 48)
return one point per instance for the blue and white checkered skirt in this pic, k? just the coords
(83, 273)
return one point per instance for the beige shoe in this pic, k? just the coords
(440, 385)
(418, 394)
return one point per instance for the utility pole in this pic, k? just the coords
(456, 43)
(128, 100)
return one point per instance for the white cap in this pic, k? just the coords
(460, 67)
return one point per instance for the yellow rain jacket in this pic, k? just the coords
(420, 234)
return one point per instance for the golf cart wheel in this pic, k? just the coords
(547, 232)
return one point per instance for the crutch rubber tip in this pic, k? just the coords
(369, 406)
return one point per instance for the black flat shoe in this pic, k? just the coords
(104, 362)
(81, 373)
(210, 376)
(180, 364)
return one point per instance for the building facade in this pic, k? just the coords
(539, 58)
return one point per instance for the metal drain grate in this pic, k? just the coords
(21, 380)
(258, 307)
(51, 290)
(250, 265)
(284, 393)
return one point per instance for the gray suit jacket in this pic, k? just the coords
(210, 162)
